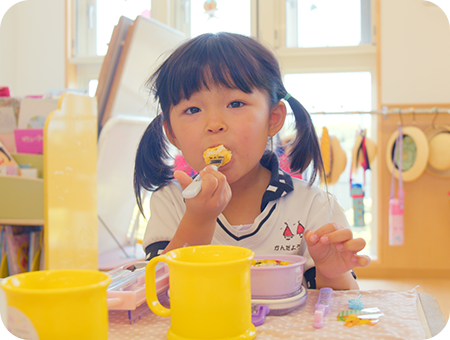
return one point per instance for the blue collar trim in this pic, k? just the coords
(280, 181)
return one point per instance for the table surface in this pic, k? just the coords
(408, 315)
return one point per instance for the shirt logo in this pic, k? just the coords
(298, 227)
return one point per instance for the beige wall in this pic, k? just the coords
(32, 47)
(7, 43)
(415, 52)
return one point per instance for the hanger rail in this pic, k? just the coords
(388, 112)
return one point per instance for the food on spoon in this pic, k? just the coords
(218, 153)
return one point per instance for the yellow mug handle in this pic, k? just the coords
(150, 287)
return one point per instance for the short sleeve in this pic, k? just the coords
(166, 210)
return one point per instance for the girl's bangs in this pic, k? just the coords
(201, 73)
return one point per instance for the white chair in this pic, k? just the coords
(116, 202)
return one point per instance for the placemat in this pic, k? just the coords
(401, 320)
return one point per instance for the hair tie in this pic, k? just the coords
(287, 96)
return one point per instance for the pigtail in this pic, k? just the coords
(305, 148)
(151, 170)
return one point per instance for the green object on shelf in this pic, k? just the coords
(22, 199)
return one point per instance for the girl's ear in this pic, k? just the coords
(277, 117)
(170, 135)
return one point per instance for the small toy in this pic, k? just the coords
(355, 303)
(322, 306)
(259, 313)
(342, 315)
(354, 317)
(354, 320)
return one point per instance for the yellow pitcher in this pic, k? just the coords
(210, 295)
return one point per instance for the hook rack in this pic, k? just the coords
(435, 111)
(386, 112)
(399, 111)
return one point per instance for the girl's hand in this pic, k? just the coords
(334, 250)
(199, 221)
(213, 197)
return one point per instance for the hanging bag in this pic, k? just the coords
(396, 204)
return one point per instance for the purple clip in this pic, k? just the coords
(322, 306)
(259, 315)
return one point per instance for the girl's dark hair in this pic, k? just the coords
(227, 59)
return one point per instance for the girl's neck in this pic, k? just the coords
(247, 193)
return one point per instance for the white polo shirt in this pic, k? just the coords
(289, 207)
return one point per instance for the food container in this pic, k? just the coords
(277, 282)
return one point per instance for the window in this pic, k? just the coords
(108, 14)
(216, 16)
(93, 22)
(323, 23)
(333, 93)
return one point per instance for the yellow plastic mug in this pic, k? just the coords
(57, 304)
(210, 295)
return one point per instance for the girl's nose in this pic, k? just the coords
(215, 125)
(214, 129)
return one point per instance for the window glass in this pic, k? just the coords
(108, 14)
(324, 23)
(92, 87)
(331, 92)
(220, 15)
(339, 92)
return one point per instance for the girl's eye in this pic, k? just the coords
(235, 104)
(192, 110)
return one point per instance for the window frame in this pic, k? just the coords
(272, 32)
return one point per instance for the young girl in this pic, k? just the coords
(226, 89)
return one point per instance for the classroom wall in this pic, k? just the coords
(414, 54)
(32, 47)
(7, 43)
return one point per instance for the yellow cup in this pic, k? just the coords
(210, 295)
(57, 304)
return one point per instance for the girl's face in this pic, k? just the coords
(240, 121)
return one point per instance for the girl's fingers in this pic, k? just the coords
(215, 183)
(183, 178)
(341, 235)
(354, 245)
(210, 183)
(361, 260)
(328, 228)
(329, 233)
(311, 237)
